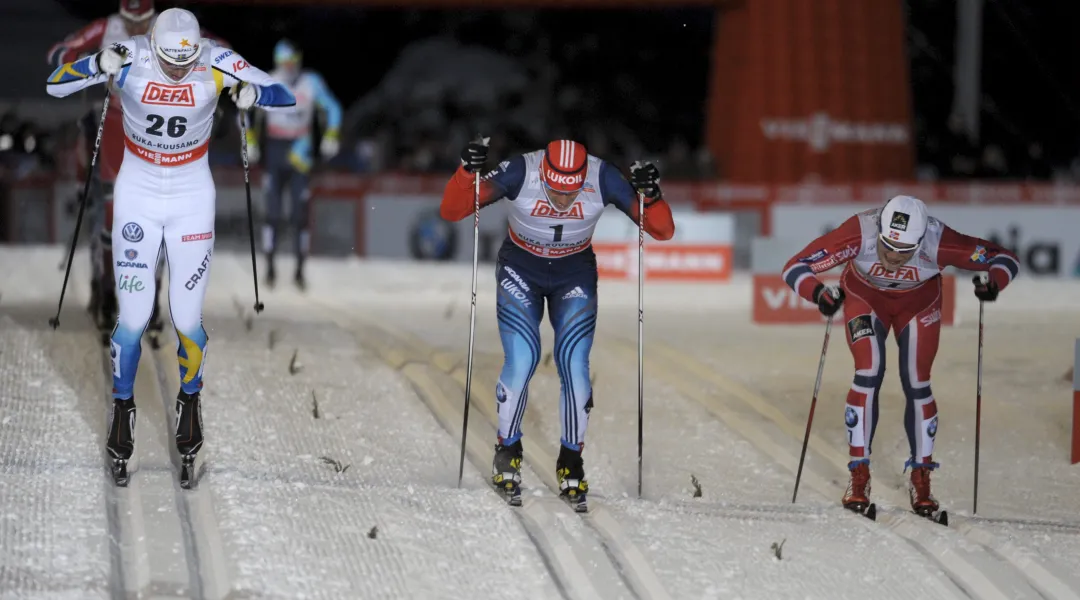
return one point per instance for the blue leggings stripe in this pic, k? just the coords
(516, 324)
(565, 352)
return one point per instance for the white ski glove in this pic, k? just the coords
(329, 147)
(111, 60)
(244, 95)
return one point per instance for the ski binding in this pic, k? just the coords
(867, 510)
(187, 471)
(119, 472)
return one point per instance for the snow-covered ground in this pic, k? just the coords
(333, 423)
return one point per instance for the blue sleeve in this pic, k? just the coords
(326, 100)
(275, 94)
(508, 177)
(615, 189)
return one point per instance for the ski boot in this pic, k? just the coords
(922, 501)
(857, 497)
(506, 471)
(298, 279)
(121, 440)
(189, 437)
(570, 470)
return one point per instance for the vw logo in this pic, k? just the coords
(133, 233)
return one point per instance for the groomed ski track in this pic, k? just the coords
(382, 366)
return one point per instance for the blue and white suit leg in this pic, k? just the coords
(572, 311)
(519, 308)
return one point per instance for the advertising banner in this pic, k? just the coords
(700, 251)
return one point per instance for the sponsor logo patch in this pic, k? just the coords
(198, 275)
(197, 236)
(544, 210)
(169, 95)
(576, 293)
(851, 418)
(816, 256)
(860, 327)
(132, 233)
(899, 221)
(930, 319)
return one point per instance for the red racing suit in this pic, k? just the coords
(908, 301)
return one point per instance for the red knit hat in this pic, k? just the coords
(564, 166)
(136, 10)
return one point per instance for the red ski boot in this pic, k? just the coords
(857, 497)
(922, 501)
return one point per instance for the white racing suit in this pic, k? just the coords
(164, 192)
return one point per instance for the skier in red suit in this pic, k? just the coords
(893, 258)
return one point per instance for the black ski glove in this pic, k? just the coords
(645, 178)
(826, 302)
(475, 155)
(986, 291)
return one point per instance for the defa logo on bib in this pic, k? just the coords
(905, 273)
(169, 95)
(544, 210)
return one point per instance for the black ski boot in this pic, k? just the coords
(570, 470)
(189, 436)
(121, 440)
(506, 471)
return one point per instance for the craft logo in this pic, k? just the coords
(194, 280)
(169, 95)
(544, 210)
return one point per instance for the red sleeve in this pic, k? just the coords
(658, 220)
(458, 199)
(976, 254)
(835, 248)
(88, 39)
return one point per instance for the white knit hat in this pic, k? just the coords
(176, 37)
(904, 220)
